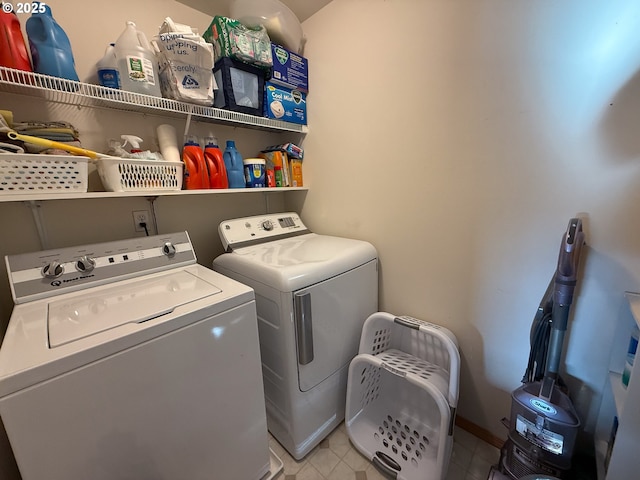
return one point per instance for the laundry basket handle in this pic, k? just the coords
(450, 343)
(386, 464)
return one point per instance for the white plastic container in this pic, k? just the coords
(254, 172)
(133, 175)
(136, 62)
(281, 23)
(107, 68)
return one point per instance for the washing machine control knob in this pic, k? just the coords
(169, 249)
(267, 225)
(85, 264)
(52, 269)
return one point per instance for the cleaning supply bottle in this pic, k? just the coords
(107, 68)
(234, 165)
(133, 141)
(13, 49)
(196, 176)
(136, 62)
(50, 47)
(214, 159)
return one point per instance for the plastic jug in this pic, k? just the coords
(13, 49)
(137, 64)
(234, 165)
(196, 176)
(107, 68)
(50, 47)
(215, 164)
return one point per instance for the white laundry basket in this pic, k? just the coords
(402, 395)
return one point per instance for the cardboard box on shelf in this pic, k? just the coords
(282, 103)
(289, 69)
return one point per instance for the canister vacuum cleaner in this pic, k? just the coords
(543, 424)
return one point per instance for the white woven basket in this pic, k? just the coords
(37, 174)
(132, 175)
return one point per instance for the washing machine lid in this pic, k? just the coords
(292, 263)
(83, 315)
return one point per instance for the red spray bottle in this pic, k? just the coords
(215, 164)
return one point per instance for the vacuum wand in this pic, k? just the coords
(564, 284)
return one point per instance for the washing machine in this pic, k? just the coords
(128, 360)
(313, 294)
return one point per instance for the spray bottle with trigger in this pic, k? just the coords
(133, 141)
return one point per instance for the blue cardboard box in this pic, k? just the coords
(286, 104)
(289, 69)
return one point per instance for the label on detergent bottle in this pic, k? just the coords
(140, 70)
(109, 78)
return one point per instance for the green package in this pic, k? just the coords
(230, 38)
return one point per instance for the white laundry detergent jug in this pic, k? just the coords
(137, 63)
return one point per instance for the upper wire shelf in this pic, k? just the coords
(70, 92)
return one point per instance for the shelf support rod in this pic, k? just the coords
(152, 206)
(188, 123)
(267, 208)
(36, 212)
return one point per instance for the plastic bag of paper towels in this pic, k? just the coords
(185, 63)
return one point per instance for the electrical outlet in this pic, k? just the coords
(140, 216)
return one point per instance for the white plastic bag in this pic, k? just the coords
(185, 63)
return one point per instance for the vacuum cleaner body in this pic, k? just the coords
(544, 424)
(542, 433)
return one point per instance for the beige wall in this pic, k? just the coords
(458, 137)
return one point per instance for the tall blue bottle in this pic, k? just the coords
(50, 47)
(234, 165)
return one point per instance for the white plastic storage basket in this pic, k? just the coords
(37, 174)
(132, 175)
(402, 394)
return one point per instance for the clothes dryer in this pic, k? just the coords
(128, 360)
(313, 294)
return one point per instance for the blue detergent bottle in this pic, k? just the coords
(234, 165)
(50, 47)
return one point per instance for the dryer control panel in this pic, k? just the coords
(52, 272)
(242, 232)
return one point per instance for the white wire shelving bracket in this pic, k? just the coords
(69, 92)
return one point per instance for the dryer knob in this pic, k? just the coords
(53, 269)
(85, 264)
(267, 225)
(168, 249)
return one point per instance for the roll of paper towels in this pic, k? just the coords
(168, 142)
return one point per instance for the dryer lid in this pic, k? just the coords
(297, 262)
(90, 312)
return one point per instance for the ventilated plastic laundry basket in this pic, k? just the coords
(402, 395)
(139, 175)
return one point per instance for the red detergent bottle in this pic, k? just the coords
(196, 176)
(215, 164)
(13, 49)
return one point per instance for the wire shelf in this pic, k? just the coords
(69, 92)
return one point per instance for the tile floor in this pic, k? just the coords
(337, 459)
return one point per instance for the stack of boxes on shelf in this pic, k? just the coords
(254, 75)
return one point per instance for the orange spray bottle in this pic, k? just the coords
(196, 176)
(215, 163)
